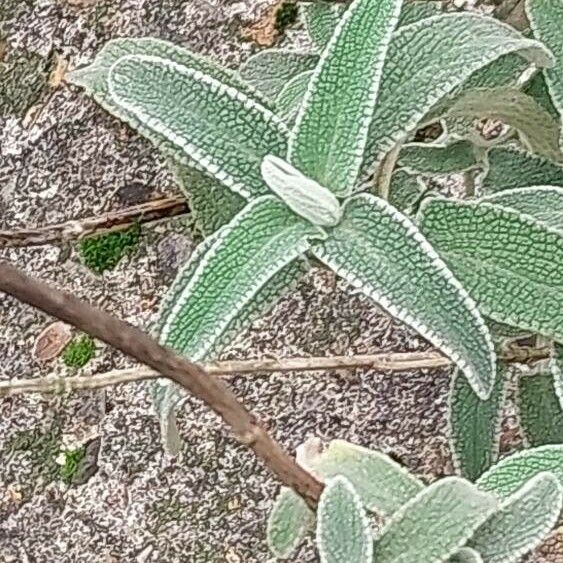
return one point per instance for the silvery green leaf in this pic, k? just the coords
(474, 425)
(426, 62)
(522, 522)
(541, 415)
(510, 263)
(269, 71)
(404, 190)
(514, 471)
(509, 168)
(382, 253)
(556, 366)
(328, 139)
(289, 521)
(466, 555)
(435, 524)
(321, 19)
(426, 158)
(382, 484)
(413, 12)
(301, 194)
(537, 88)
(343, 529)
(546, 20)
(290, 98)
(538, 130)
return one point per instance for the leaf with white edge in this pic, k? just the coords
(290, 98)
(509, 262)
(514, 471)
(382, 253)
(544, 203)
(425, 158)
(404, 190)
(382, 484)
(221, 129)
(546, 20)
(301, 194)
(466, 555)
(413, 12)
(510, 167)
(474, 425)
(556, 366)
(269, 71)
(538, 89)
(541, 415)
(435, 524)
(328, 139)
(321, 19)
(426, 62)
(538, 130)
(343, 529)
(289, 521)
(522, 522)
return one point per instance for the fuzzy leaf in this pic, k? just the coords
(541, 414)
(556, 366)
(404, 190)
(328, 139)
(523, 521)
(435, 524)
(381, 252)
(474, 425)
(269, 71)
(546, 20)
(424, 158)
(289, 521)
(426, 62)
(343, 530)
(382, 484)
(321, 19)
(538, 89)
(511, 264)
(466, 555)
(514, 471)
(513, 168)
(538, 130)
(290, 98)
(417, 10)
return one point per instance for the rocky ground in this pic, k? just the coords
(62, 157)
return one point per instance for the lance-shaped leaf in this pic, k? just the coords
(343, 530)
(424, 158)
(556, 366)
(259, 242)
(426, 62)
(269, 71)
(435, 524)
(328, 139)
(510, 263)
(522, 522)
(381, 252)
(288, 523)
(475, 425)
(466, 555)
(538, 130)
(290, 98)
(513, 168)
(541, 415)
(546, 20)
(405, 190)
(514, 471)
(221, 129)
(321, 19)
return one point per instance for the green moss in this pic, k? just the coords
(286, 15)
(71, 464)
(103, 252)
(79, 352)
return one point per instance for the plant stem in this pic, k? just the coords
(135, 343)
(385, 172)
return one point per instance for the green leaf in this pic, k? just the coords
(425, 158)
(288, 523)
(321, 19)
(511, 264)
(289, 99)
(381, 252)
(523, 521)
(514, 471)
(343, 530)
(426, 62)
(541, 414)
(435, 524)
(381, 483)
(413, 12)
(556, 366)
(404, 190)
(537, 88)
(269, 71)
(224, 131)
(328, 139)
(513, 168)
(546, 20)
(538, 130)
(466, 555)
(474, 425)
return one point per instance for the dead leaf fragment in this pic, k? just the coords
(51, 342)
(263, 32)
(58, 73)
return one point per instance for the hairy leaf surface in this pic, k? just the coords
(538, 89)
(290, 98)
(404, 190)
(424, 158)
(413, 12)
(321, 19)
(381, 252)
(557, 371)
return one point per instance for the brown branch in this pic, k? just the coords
(192, 377)
(146, 212)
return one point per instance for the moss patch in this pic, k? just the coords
(286, 15)
(71, 465)
(79, 352)
(104, 252)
